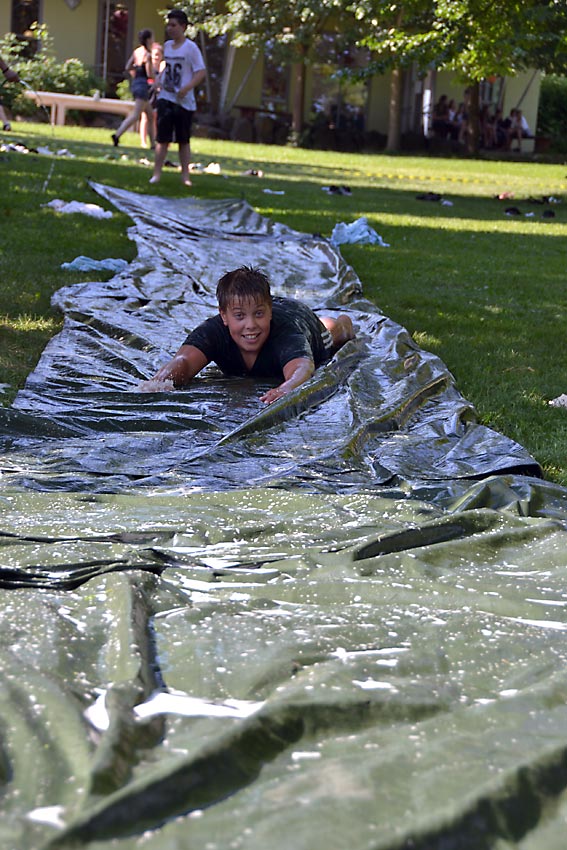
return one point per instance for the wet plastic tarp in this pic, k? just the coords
(337, 621)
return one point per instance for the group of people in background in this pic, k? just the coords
(500, 133)
(450, 121)
(163, 83)
(144, 67)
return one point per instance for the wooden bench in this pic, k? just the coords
(60, 103)
(526, 145)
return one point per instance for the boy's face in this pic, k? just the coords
(248, 322)
(175, 30)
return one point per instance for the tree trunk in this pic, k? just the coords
(395, 115)
(298, 95)
(473, 125)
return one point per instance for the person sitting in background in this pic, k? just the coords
(451, 110)
(256, 335)
(487, 128)
(441, 124)
(500, 129)
(459, 127)
(519, 128)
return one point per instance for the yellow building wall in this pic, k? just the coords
(377, 111)
(73, 31)
(523, 92)
(251, 93)
(146, 16)
(5, 17)
(447, 83)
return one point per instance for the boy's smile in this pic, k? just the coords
(248, 322)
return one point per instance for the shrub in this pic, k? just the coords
(42, 72)
(552, 112)
(123, 90)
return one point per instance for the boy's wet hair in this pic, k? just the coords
(241, 284)
(178, 15)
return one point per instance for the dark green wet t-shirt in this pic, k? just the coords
(295, 331)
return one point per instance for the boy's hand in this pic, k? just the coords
(273, 394)
(178, 372)
(296, 372)
(155, 386)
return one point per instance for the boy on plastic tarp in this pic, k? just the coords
(255, 335)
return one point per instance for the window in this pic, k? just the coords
(115, 41)
(491, 91)
(24, 14)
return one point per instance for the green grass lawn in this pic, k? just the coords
(485, 291)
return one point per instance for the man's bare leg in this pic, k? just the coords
(184, 160)
(159, 159)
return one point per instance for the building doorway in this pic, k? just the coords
(115, 41)
(26, 13)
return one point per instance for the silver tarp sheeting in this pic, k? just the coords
(336, 621)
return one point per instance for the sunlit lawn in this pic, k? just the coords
(484, 290)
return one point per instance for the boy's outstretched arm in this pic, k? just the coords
(188, 361)
(296, 372)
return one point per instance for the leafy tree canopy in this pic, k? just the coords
(474, 38)
(290, 26)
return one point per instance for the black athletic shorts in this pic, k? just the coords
(173, 122)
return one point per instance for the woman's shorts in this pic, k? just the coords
(173, 122)
(140, 89)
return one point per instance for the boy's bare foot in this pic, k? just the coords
(186, 181)
(344, 328)
(154, 179)
(341, 329)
